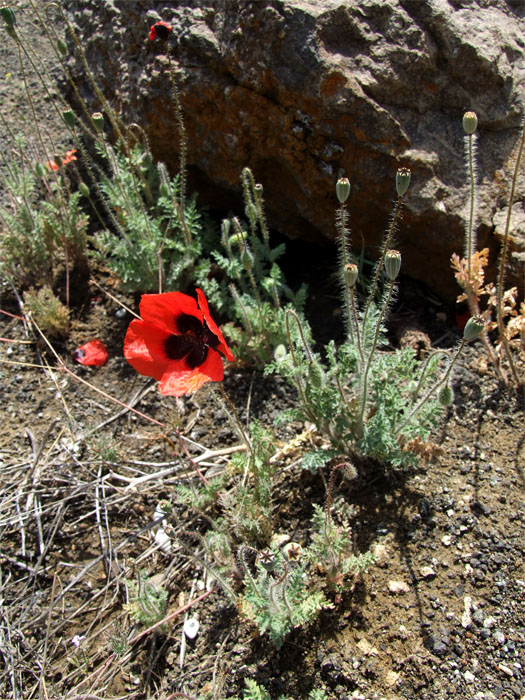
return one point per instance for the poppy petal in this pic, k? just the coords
(162, 310)
(176, 382)
(93, 354)
(214, 328)
(144, 349)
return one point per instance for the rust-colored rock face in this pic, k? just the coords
(304, 91)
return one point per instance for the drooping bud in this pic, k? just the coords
(237, 239)
(342, 189)
(315, 375)
(351, 273)
(62, 47)
(247, 259)
(69, 118)
(251, 212)
(403, 176)
(445, 395)
(470, 122)
(473, 328)
(8, 16)
(164, 189)
(98, 120)
(83, 189)
(392, 264)
(280, 353)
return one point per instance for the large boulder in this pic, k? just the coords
(304, 91)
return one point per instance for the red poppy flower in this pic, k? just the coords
(92, 353)
(160, 30)
(177, 342)
(68, 158)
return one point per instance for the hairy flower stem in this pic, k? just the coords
(385, 246)
(183, 143)
(290, 313)
(424, 371)
(232, 414)
(503, 260)
(415, 410)
(470, 243)
(364, 379)
(344, 233)
(329, 491)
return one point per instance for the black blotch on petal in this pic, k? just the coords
(197, 356)
(177, 347)
(185, 323)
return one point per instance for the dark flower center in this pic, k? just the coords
(161, 31)
(193, 342)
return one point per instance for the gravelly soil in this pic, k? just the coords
(439, 616)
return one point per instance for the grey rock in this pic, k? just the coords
(304, 91)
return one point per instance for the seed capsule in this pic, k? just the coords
(403, 176)
(342, 189)
(473, 328)
(392, 264)
(470, 122)
(351, 274)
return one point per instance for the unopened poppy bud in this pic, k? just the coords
(83, 189)
(8, 16)
(247, 259)
(342, 189)
(98, 120)
(280, 353)
(473, 328)
(403, 176)
(251, 212)
(40, 171)
(392, 264)
(69, 118)
(470, 122)
(62, 47)
(315, 375)
(237, 239)
(164, 189)
(351, 274)
(445, 395)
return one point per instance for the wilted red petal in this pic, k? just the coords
(214, 328)
(177, 382)
(93, 353)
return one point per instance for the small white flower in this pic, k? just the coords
(77, 639)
